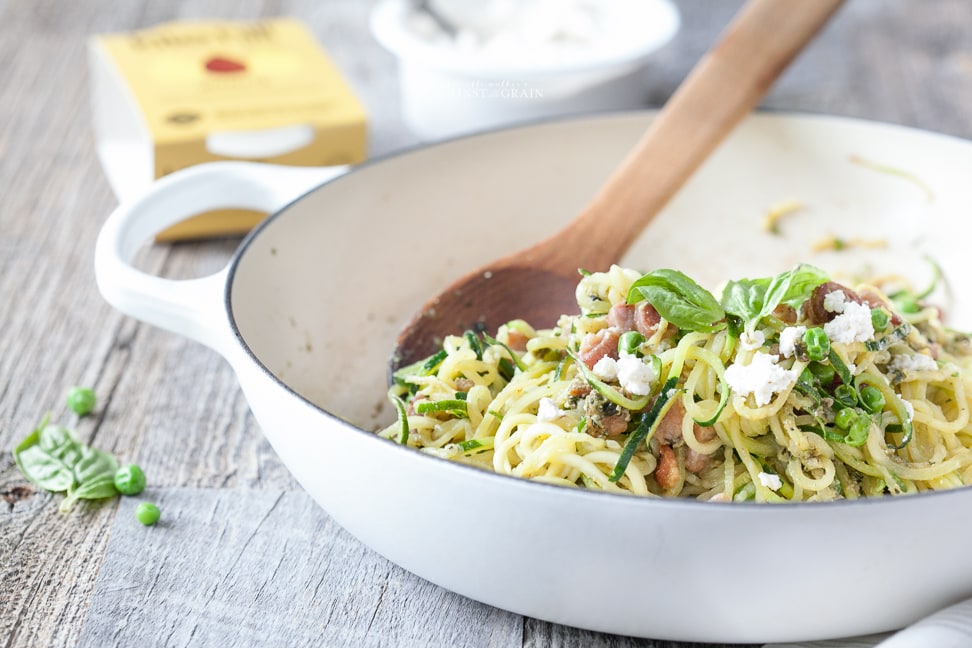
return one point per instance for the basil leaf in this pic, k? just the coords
(678, 299)
(744, 298)
(100, 487)
(60, 443)
(38, 465)
(93, 465)
(43, 470)
(792, 287)
(753, 299)
(95, 475)
(52, 458)
(53, 438)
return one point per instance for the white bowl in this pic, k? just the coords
(447, 89)
(307, 312)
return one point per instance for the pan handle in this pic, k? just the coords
(194, 308)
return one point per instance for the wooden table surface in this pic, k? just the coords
(243, 556)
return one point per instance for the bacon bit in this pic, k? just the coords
(579, 388)
(704, 434)
(666, 472)
(814, 307)
(516, 340)
(670, 427)
(604, 418)
(463, 384)
(612, 425)
(641, 317)
(622, 316)
(669, 432)
(696, 462)
(647, 319)
(595, 346)
(785, 313)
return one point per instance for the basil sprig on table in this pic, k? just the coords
(679, 300)
(750, 300)
(53, 458)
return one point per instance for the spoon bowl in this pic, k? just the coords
(510, 291)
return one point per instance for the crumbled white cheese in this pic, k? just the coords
(834, 302)
(635, 375)
(852, 325)
(910, 409)
(913, 362)
(762, 378)
(751, 341)
(548, 411)
(770, 481)
(606, 368)
(493, 354)
(788, 339)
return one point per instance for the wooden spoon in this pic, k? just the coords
(537, 284)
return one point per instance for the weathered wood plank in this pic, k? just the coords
(48, 561)
(256, 568)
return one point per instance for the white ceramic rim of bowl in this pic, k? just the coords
(386, 22)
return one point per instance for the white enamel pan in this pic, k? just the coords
(308, 309)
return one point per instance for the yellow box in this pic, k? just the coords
(188, 92)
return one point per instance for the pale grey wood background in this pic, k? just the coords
(243, 557)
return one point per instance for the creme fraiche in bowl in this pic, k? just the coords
(505, 62)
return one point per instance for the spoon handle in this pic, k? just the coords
(727, 83)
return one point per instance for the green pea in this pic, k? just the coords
(130, 480)
(81, 400)
(879, 319)
(823, 372)
(147, 513)
(845, 395)
(629, 342)
(858, 431)
(907, 303)
(817, 343)
(845, 418)
(872, 399)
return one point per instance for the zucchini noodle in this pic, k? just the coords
(785, 388)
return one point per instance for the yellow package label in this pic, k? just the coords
(262, 91)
